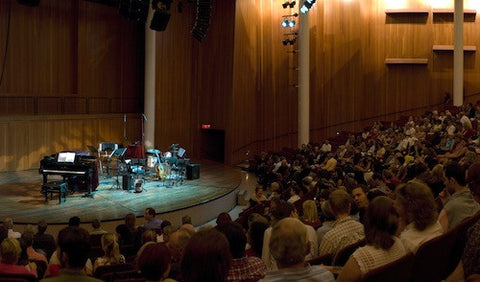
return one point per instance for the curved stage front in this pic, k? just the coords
(203, 199)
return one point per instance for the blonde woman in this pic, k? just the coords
(310, 214)
(112, 252)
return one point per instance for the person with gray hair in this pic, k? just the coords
(288, 246)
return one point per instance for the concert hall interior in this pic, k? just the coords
(105, 111)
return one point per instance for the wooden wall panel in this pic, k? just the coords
(25, 140)
(69, 49)
(243, 104)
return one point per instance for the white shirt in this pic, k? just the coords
(412, 238)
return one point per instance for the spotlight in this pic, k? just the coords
(307, 4)
(291, 24)
(285, 23)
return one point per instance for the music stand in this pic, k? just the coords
(118, 153)
(92, 149)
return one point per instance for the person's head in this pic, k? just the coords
(8, 223)
(96, 223)
(154, 262)
(74, 247)
(359, 195)
(177, 242)
(74, 221)
(130, 220)
(3, 233)
(415, 203)
(149, 214)
(149, 236)
(454, 177)
(206, 257)
(289, 242)
(281, 210)
(340, 202)
(186, 219)
(10, 250)
(327, 211)
(473, 179)
(42, 226)
(223, 217)
(256, 231)
(381, 223)
(237, 239)
(27, 238)
(110, 247)
(310, 212)
(124, 234)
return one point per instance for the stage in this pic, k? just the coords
(203, 199)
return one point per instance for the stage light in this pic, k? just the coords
(307, 4)
(285, 23)
(291, 24)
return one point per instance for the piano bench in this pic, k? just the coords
(56, 187)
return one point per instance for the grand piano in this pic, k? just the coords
(78, 169)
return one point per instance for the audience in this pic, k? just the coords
(73, 251)
(10, 253)
(381, 223)
(288, 245)
(154, 262)
(97, 228)
(111, 251)
(206, 257)
(457, 198)
(44, 242)
(345, 230)
(243, 268)
(150, 221)
(8, 223)
(310, 214)
(418, 211)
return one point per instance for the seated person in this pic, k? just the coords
(73, 250)
(10, 253)
(154, 262)
(418, 210)
(243, 268)
(259, 197)
(382, 246)
(112, 252)
(345, 230)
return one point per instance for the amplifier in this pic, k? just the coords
(127, 183)
(193, 171)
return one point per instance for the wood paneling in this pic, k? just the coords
(25, 140)
(60, 51)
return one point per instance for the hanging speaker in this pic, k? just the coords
(29, 2)
(202, 20)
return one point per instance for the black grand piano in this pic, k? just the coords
(78, 169)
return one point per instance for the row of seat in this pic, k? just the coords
(433, 262)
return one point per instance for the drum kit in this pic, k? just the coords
(168, 166)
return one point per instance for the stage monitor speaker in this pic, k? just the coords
(193, 171)
(127, 183)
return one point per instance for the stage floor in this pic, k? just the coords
(20, 196)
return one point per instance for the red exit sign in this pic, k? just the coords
(206, 126)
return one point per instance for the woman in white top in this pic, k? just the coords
(418, 211)
(382, 246)
(112, 252)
